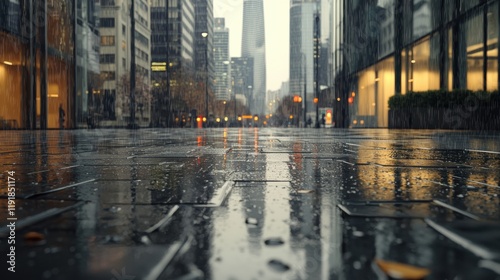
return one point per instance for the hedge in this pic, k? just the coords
(444, 99)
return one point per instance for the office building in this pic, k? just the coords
(242, 78)
(254, 45)
(222, 61)
(387, 47)
(113, 105)
(303, 40)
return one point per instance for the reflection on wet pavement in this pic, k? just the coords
(251, 203)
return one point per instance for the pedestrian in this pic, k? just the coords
(62, 114)
(323, 120)
(309, 122)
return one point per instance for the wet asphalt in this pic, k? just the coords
(249, 203)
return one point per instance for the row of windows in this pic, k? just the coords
(110, 23)
(107, 22)
(107, 58)
(143, 6)
(142, 39)
(142, 70)
(141, 54)
(107, 40)
(111, 75)
(142, 19)
(107, 2)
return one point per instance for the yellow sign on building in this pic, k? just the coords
(158, 66)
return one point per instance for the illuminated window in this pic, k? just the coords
(107, 40)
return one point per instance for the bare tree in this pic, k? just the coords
(143, 94)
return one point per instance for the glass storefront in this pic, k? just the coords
(369, 106)
(442, 44)
(11, 81)
(492, 47)
(474, 47)
(421, 65)
(50, 91)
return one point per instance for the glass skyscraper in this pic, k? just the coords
(302, 50)
(254, 46)
(222, 61)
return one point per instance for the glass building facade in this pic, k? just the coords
(49, 61)
(253, 44)
(222, 61)
(387, 47)
(37, 64)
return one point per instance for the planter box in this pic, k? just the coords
(459, 117)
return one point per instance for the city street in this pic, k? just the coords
(249, 203)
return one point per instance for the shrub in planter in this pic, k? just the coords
(443, 99)
(459, 109)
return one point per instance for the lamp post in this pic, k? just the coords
(316, 66)
(249, 102)
(305, 88)
(234, 97)
(205, 35)
(132, 123)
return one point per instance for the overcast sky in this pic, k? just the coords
(277, 21)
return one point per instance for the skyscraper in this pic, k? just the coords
(222, 61)
(242, 77)
(302, 50)
(115, 59)
(204, 22)
(254, 46)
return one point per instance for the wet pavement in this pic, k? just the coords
(249, 203)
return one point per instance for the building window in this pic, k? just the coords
(492, 48)
(124, 30)
(107, 2)
(124, 63)
(141, 39)
(107, 40)
(474, 44)
(107, 58)
(107, 22)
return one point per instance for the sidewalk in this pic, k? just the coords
(247, 203)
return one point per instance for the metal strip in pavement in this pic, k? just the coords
(464, 242)
(377, 202)
(483, 151)
(59, 189)
(163, 156)
(68, 167)
(477, 182)
(37, 172)
(47, 170)
(219, 197)
(455, 209)
(346, 162)
(165, 221)
(343, 208)
(167, 259)
(31, 220)
(491, 265)
(352, 144)
(438, 183)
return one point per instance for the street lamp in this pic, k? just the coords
(248, 98)
(205, 35)
(316, 66)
